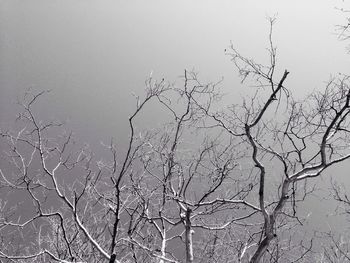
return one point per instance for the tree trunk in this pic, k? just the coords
(113, 257)
(163, 246)
(259, 253)
(188, 237)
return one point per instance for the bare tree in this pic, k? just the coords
(212, 184)
(76, 200)
(294, 140)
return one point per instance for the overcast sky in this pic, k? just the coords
(93, 54)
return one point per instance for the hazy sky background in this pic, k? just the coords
(93, 54)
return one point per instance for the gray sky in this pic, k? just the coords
(93, 54)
